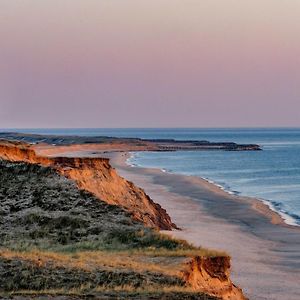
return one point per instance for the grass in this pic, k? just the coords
(56, 239)
(90, 261)
(180, 252)
(40, 209)
(152, 244)
(141, 260)
(38, 271)
(126, 292)
(121, 292)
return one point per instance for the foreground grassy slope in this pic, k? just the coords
(47, 211)
(58, 240)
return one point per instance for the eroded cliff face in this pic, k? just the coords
(212, 275)
(98, 177)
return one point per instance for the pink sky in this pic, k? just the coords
(158, 63)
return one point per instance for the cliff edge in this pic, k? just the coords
(57, 238)
(97, 176)
(212, 275)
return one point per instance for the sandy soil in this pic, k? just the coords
(88, 149)
(265, 256)
(265, 252)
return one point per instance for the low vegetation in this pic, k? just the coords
(58, 240)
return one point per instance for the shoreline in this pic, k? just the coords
(263, 206)
(264, 249)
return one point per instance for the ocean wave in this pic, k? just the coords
(278, 207)
(130, 161)
(288, 217)
(224, 187)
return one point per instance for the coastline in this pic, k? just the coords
(265, 250)
(260, 205)
(60, 206)
(264, 206)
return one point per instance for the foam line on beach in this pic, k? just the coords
(286, 216)
(274, 206)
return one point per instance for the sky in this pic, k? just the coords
(158, 63)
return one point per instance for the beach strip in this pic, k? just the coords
(264, 249)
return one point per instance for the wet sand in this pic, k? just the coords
(265, 252)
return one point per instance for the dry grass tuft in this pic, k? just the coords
(57, 240)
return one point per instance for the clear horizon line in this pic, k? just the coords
(150, 127)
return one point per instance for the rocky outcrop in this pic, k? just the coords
(98, 177)
(212, 275)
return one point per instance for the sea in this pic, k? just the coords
(271, 175)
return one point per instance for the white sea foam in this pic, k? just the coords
(130, 160)
(289, 220)
(267, 174)
(223, 188)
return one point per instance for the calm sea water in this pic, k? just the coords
(272, 175)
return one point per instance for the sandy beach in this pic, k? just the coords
(150, 150)
(265, 252)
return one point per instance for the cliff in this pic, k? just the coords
(98, 177)
(212, 275)
(42, 209)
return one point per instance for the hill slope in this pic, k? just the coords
(58, 240)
